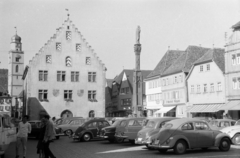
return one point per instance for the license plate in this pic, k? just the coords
(139, 139)
(156, 141)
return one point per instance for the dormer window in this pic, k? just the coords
(68, 35)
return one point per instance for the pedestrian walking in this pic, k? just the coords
(49, 135)
(40, 145)
(23, 129)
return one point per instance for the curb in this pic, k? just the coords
(235, 146)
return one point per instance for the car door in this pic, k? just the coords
(122, 128)
(205, 136)
(93, 128)
(133, 128)
(187, 130)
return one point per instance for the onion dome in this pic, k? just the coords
(16, 39)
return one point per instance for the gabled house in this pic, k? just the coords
(174, 87)
(122, 93)
(206, 85)
(153, 82)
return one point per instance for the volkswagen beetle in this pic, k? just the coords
(234, 133)
(188, 133)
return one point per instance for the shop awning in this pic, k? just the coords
(232, 105)
(205, 108)
(164, 109)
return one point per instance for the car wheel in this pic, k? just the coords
(162, 150)
(180, 147)
(68, 132)
(119, 140)
(149, 148)
(236, 139)
(224, 144)
(57, 137)
(111, 140)
(132, 142)
(86, 137)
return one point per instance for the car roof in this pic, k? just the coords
(178, 122)
(161, 118)
(223, 120)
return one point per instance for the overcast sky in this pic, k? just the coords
(109, 26)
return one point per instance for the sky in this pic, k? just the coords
(109, 26)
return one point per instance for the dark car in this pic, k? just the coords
(90, 129)
(36, 125)
(108, 133)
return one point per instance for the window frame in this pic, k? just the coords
(92, 76)
(43, 95)
(67, 95)
(201, 68)
(62, 76)
(43, 74)
(75, 76)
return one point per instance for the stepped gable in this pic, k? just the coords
(186, 60)
(52, 39)
(169, 57)
(216, 55)
(3, 80)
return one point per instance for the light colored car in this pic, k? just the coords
(219, 124)
(237, 123)
(152, 127)
(234, 133)
(189, 133)
(69, 128)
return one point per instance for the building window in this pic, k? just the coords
(127, 101)
(205, 88)
(234, 83)
(159, 83)
(192, 88)
(67, 94)
(78, 47)
(127, 90)
(42, 95)
(61, 76)
(68, 61)
(208, 67)
(91, 76)
(88, 61)
(238, 58)
(92, 96)
(219, 86)
(167, 82)
(17, 59)
(211, 87)
(238, 82)
(16, 68)
(43, 75)
(234, 59)
(74, 76)
(48, 59)
(58, 46)
(68, 35)
(201, 68)
(198, 88)
(122, 90)
(175, 79)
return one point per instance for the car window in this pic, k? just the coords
(123, 123)
(163, 123)
(233, 123)
(150, 124)
(100, 124)
(38, 124)
(187, 126)
(131, 122)
(92, 125)
(134, 123)
(238, 122)
(201, 126)
(144, 122)
(105, 123)
(213, 123)
(224, 124)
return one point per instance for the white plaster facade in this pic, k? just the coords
(74, 55)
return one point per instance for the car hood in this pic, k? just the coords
(230, 128)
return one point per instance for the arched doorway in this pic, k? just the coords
(66, 113)
(91, 113)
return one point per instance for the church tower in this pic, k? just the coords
(15, 68)
(137, 101)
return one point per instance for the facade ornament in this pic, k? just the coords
(55, 92)
(80, 92)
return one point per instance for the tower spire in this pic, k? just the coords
(67, 13)
(15, 29)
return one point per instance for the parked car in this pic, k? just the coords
(189, 133)
(90, 129)
(62, 121)
(237, 123)
(222, 123)
(108, 133)
(36, 125)
(70, 127)
(234, 133)
(129, 128)
(152, 127)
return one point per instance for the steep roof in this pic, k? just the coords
(236, 26)
(109, 82)
(216, 55)
(4, 80)
(186, 60)
(169, 57)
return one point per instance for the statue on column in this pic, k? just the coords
(138, 35)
